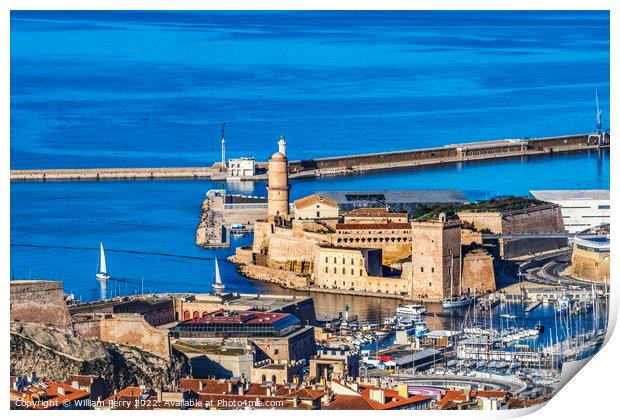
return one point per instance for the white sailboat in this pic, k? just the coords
(102, 274)
(218, 286)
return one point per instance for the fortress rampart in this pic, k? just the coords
(39, 301)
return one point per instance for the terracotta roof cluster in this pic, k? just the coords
(313, 200)
(372, 226)
(363, 400)
(47, 394)
(514, 402)
(500, 395)
(374, 212)
(452, 399)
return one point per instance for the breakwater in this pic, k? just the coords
(343, 165)
(453, 153)
(110, 173)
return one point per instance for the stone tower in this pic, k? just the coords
(277, 190)
(436, 258)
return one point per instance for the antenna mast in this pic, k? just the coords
(223, 148)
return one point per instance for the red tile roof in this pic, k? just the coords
(451, 398)
(372, 226)
(49, 395)
(348, 402)
(374, 212)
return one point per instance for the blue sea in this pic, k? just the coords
(114, 89)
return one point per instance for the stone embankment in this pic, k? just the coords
(55, 354)
(109, 173)
(282, 278)
(210, 231)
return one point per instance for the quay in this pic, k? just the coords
(96, 174)
(345, 165)
(453, 153)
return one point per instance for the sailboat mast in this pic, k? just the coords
(102, 264)
(451, 276)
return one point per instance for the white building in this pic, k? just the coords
(241, 167)
(315, 206)
(581, 209)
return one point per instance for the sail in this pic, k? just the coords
(102, 265)
(218, 279)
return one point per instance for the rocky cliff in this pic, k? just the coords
(54, 354)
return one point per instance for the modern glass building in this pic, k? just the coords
(225, 324)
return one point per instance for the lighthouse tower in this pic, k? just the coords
(282, 145)
(277, 189)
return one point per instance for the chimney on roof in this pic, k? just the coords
(200, 385)
(403, 390)
(295, 402)
(60, 390)
(75, 384)
(240, 390)
(230, 387)
(377, 395)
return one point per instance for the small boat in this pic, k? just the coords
(411, 310)
(102, 273)
(457, 302)
(218, 286)
(539, 327)
(508, 316)
(237, 229)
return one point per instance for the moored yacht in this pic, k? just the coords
(411, 310)
(457, 302)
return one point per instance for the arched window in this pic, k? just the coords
(263, 378)
(187, 316)
(273, 378)
(196, 314)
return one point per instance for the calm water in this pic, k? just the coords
(149, 89)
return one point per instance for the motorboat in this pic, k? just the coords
(411, 310)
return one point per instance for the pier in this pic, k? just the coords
(345, 165)
(96, 174)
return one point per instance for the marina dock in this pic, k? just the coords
(533, 306)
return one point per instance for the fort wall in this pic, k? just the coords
(39, 301)
(536, 219)
(133, 330)
(590, 266)
(478, 273)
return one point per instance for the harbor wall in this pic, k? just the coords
(109, 173)
(39, 301)
(446, 154)
(272, 275)
(340, 164)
